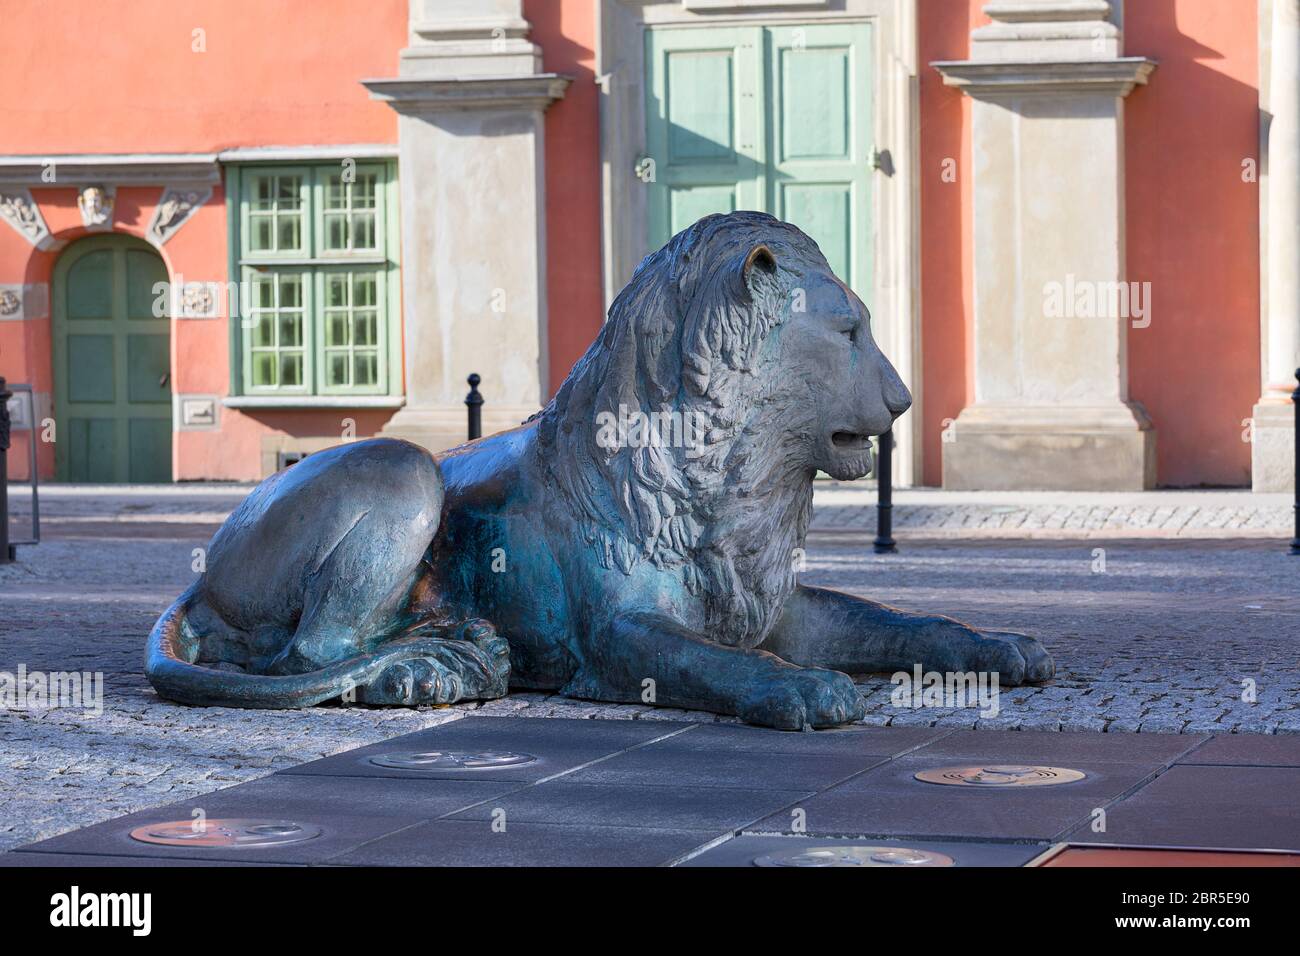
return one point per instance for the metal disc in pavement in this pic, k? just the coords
(226, 834)
(855, 855)
(1000, 775)
(452, 760)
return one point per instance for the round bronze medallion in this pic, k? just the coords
(452, 760)
(226, 834)
(855, 856)
(1000, 775)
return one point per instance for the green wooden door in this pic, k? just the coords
(776, 119)
(112, 364)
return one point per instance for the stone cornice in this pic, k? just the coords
(1020, 11)
(993, 80)
(139, 169)
(435, 95)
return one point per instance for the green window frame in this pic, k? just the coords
(315, 248)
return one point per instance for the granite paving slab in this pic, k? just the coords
(651, 766)
(1055, 749)
(719, 810)
(556, 746)
(477, 843)
(889, 801)
(1247, 749)
(1208, 806)
(350, 811)
(745, 850)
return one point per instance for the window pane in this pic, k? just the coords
(289, 234)
(264, 332)
(290, 368)
(337, 365)
(334, 193)
(336, 329)
(336, 231)
(363, 290)
(264, 369)
(290, 292)
(262, 192)
(265, 297)
(363, 230)
(336, 291)
(259, 237)
(364, 326)
(290, 330)
(365, 368)
(288, 193)
(364, 192)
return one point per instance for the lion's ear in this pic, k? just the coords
(759, 273)
(761, 258)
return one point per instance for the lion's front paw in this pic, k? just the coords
(415, 682)
(1017, 658)
(796, 698)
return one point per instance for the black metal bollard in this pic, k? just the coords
(1295, 399)
(474, 402)
(6, 549)
(884, 543)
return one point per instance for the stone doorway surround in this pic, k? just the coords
(620, 70)
(470, 97)
(1048, 79)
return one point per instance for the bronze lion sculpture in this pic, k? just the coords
(587, 551)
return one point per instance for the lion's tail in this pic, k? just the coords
(173, 648)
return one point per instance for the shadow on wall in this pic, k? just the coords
(1192, 155)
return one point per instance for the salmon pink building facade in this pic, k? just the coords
(237, 233)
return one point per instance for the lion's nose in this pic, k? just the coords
(898, 400)
(895, 394)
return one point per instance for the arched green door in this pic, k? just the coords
(112, 363)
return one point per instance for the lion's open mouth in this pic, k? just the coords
(850, 441)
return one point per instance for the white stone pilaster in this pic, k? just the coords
(1052, 309)
(1273, 447)
(470, 98)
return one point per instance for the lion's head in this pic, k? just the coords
(732, 368)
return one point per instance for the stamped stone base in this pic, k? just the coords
(1004, 448)
(1272, 450)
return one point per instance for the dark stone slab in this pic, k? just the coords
(716, 809)
(665, 765)
(473, 843)
(558, 744)
(1259, 750)
(853, 740)
(83, 861)
(743, 850)
(888, 801)
(1060, 749)
(351, 811)
(1200, 806)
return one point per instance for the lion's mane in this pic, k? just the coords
(692, 334)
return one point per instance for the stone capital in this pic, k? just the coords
(999, 79)
(421, 96)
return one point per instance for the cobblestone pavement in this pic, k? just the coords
(851, 507)
(1164, 636)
